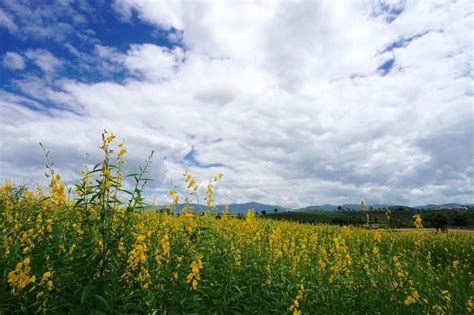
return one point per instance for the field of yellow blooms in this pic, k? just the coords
(101, 251)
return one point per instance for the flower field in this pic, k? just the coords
(101, 251)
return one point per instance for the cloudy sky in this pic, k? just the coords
(297, 102)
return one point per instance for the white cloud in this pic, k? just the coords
(54, 20)
(13, 61)
(43, 59)
(153, 62)
(286, 96)
(7, 22)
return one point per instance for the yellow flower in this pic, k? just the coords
(122, 151)
(20, 278)
(138, 254)
(377, 237)
(110, 138)
(409, 300)
(46, 275)
(194, 276)
(49, 226)
(455, 264)
(295, 307)
(418, 223)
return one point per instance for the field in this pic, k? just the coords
(100, 252)
(455, 218)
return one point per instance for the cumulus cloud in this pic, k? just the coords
(293, 101)
(13, 61)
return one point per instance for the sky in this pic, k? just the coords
(297, 102)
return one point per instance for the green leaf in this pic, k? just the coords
(101, 299)
(85, 292)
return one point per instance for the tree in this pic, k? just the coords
(263, 212)
(440, 222)
(339, 208)
(459, 219)
(276, 210)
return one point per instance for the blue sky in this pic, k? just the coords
(82, 26)
(300, 103)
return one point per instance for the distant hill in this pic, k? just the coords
(259, 207)
(330, 207)
(236, 207)
(444, 206)
(320, 207)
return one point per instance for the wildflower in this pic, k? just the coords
(322, 264)
(377, 237)
(72, 248)
(7, 186)
(77, 228)
(209, 195)
(237, 257)
(122, 151)
(194, 276)
(269, 280)
(174, 194)
(57, 194)
(409, 300)
(331, 279)
(191, 183)
(110, 138)
(138, 254)
(446, 296)
(20, 278)
(46, 279)
(438, 309)
(418, 223)
(121, 247)
(295, 307)
(49, 226)
(455, 264)
(470, 305)
(165, 246)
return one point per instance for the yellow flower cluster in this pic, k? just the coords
(136, 260)
(174, 194)
(191, 183)
(194, 276)
(342, 258)
(418, 222)
(414, 296)
(46, 283)
(57, 194)
(210, 190)
(20, 277)
(165, 249)
(121, 152)
(138, 254)
(295, 307)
